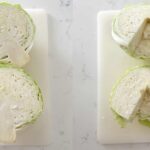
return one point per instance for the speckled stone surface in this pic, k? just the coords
(73, 74)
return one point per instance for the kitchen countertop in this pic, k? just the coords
(73, 74)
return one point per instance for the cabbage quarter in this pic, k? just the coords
(17, 32)
(21, 101)
(131, 30)
(130, 97)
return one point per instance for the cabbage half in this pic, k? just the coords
(17, 32)
(131, 30)
(130, 97)
(21, 101)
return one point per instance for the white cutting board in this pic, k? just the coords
(112, 62)
(39, 132)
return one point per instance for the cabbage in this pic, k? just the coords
(17, 32)
(131, 30)
(120, 120)
(141, 109)
(21, 101)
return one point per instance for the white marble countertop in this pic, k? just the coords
(73, 74)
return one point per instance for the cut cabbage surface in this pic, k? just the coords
(7, 126)
(20, 101)
(17, 32)
(131, 95)
(131, 30)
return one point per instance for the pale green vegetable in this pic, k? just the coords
(121, 121)
(7, 126)
(131, 30)
(130, 97)
(17, 32)
(21, 101)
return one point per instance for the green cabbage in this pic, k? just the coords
(34, 83)
(120, 120)
(17, 32)
(124, 40)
